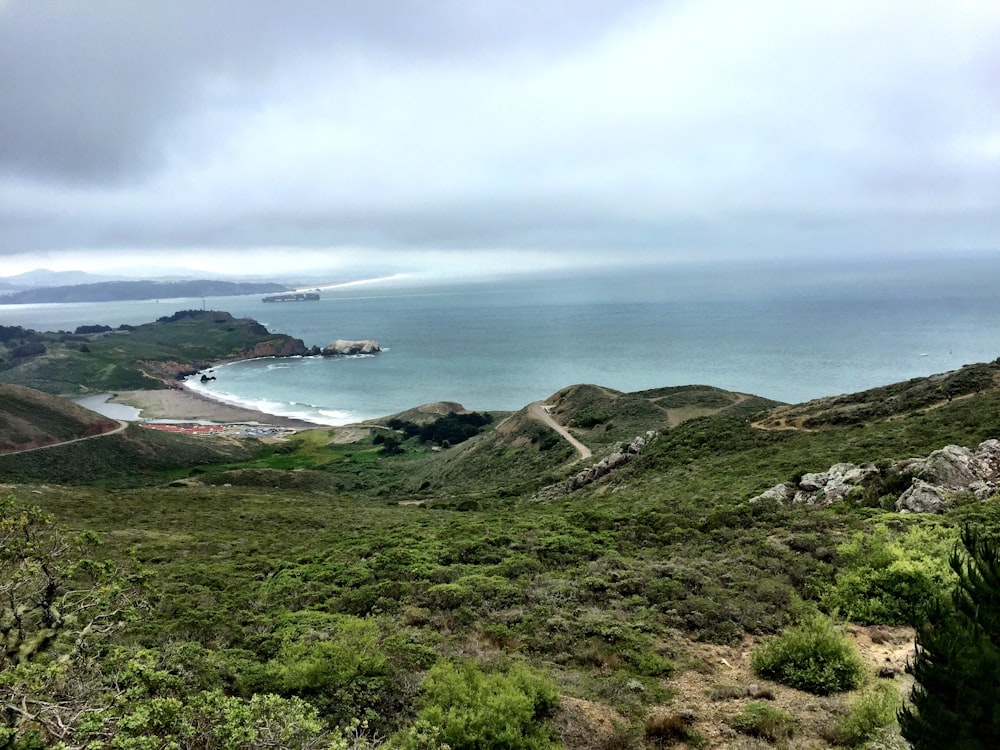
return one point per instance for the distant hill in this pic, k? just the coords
(113, 291)
(520, 452)
(30, 418)
(151, 355)
(43, 277)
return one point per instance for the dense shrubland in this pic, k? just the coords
(316, 592)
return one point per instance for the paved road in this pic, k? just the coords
(539, 412)
(121, 426)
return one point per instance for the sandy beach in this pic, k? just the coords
(180, 403)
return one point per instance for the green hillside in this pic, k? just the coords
(411, 593)
(96, 358)
(29, 418)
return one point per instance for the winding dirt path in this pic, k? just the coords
(121, 427)
(539, 412)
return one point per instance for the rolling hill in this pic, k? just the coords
(327, 572)
(30, 418)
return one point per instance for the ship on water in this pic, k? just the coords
(292, 297)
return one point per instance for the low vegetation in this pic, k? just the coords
(321, 591)
(812, 656)
(28, 420)
(132, 357)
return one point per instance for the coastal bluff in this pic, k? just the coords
(344, 347)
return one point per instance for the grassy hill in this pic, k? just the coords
(890, 401)
(29, 418)
(151, 355)
(328, 569)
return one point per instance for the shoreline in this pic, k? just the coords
(186, 404)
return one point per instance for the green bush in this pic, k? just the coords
(813, 656)
(761, 720)
(339, 663)
(871, 712)
(891, 582)
(465, 709)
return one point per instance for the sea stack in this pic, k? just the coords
(342, 347)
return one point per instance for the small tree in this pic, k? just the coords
(55, 605)
(955, 701)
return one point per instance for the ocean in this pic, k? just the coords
(787, 332)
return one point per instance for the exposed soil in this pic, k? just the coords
(714, 683)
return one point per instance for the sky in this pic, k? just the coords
(472, 137)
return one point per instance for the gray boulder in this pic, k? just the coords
(783, 493)
(988, 456)
(813, 482)
(952, 467)
(922, 497)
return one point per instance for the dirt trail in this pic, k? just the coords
(539, 412)
(121, 426)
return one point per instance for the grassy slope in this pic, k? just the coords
(135, 457)
(148, 356)
(30, 418)
(597, 588)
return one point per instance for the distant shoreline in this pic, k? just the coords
(183, 403)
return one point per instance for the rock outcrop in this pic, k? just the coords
(934, 480)
(957, 468)
(923, 498)
(278, 347)
(821, 488)
(343, 347)
(609, 463)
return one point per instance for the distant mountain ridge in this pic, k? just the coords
(44, 277)
(114, 291)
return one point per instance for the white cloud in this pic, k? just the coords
(678, 128)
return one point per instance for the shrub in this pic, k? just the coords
(670, 728)
(465, 709)
(813, 656)
(588, 418)
(761, 720)
(339, 663)
(871, 711)
(890, 582)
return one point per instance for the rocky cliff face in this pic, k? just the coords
(278, 347)
(934, 481)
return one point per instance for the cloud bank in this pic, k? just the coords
(333, 135)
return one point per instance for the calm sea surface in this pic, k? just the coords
(786, 333)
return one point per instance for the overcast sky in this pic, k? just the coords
(477, 136)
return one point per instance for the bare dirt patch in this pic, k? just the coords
(717, 682)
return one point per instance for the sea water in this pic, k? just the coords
(789, 333)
